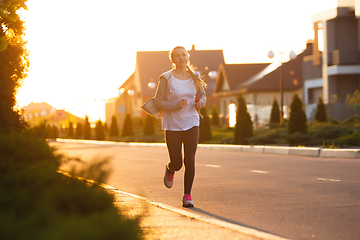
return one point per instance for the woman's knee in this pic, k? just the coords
(176, 166)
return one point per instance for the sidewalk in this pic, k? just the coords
(160, 221)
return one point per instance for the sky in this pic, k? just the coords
(81, 51)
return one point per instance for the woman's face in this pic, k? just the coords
(180, 57)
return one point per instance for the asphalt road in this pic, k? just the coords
(291, 196)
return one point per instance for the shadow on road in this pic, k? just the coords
(198, 210)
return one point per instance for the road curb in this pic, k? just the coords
(302, 151)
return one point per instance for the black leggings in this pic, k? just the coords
(174, 141)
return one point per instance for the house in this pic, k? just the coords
(141, 85)
(36, 113)
(260, 85)
(339, 59)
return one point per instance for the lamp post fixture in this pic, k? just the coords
(292, 55)
(152, 84)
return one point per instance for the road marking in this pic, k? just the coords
(258, 171)
(331, 180)
(215, 166)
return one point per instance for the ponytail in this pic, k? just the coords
(199, 83)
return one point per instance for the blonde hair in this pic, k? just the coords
(199, 83)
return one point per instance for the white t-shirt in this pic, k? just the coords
(185, 118)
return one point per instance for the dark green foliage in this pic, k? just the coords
(42, 131)
(149, 126)
(353, 100)
(114, 130)
(320, 114)
(70, 131)
(205, 127)
(36, 202)
(79, 130)
(349, 140)
(275, 113)
(87, 129)
(128, 129)
(297, 120)
(106, 129)
(14, 64)
(215, 120)
(99, 131)
(244, 125)
(54, 132)
(298, 138)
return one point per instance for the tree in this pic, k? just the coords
(70, 132)
(79, 130)
(320, 114)
(353, 101)
(128, 129)
(114, 130)
(54, 132)
(215, 121)
(87, 128)
(14, 64)
(149, 126)
(297, 120)
(205, 128)
(99, 131)
(244, 126)
(275, 113)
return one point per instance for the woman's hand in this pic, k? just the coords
(183, 103)
(199, 104)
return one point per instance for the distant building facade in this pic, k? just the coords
(339, 59)
(36, 113)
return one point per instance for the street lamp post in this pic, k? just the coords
(292, 55)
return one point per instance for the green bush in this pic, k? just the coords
(87, 129)
(37, 202)
(99, 131)
(298, 138)
(70, 131)
(320, 114)
(349, 140)
(275, 114)
(149, 126)
(215, 120)
(114, 130)
(244, 126)
(128, 128)
(297, 120)
(79, 130)
(205, 127)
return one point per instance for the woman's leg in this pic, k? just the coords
(190, 140)
(174, 142)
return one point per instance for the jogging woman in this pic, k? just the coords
(181, 94)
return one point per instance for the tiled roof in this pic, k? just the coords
(292, 76)
(234, 74)
(38, 107)
(262, 76)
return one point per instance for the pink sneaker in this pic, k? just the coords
(187, 202)
(168, 178)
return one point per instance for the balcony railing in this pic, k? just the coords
(344, 57)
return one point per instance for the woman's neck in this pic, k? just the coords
(181, 73)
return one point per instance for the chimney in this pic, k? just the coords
(193, 47)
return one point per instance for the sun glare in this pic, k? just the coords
(80, 56)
